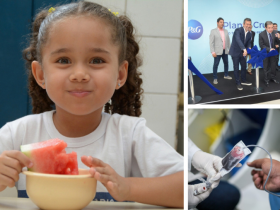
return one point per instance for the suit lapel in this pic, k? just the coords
(243, 34)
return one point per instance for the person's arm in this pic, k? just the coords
(253, 39)
(151, 158)
(11, 161)
(212, 43)
(237, 36)
(11, 164)
(163, 191)
(276, 40)
(192, 149)
(228, 40)
(259, 177)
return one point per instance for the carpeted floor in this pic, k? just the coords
(231, 95)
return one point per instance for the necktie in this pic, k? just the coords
(270, 38)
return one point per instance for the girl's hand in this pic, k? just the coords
(11, 164)
(117, 186)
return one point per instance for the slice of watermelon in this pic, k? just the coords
(50, 157)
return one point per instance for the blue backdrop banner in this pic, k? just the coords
(202, 18)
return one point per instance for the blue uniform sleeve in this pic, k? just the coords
(274, 201)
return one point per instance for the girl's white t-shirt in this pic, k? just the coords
(123, 142)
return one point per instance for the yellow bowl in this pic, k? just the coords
(53, 191)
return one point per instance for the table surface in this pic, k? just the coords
(13, 203)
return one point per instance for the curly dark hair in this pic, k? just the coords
(127, 99)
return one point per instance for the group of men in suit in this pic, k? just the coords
(243, 38)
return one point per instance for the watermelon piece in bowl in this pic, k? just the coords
(50, 157)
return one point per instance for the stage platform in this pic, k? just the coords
(231, 95)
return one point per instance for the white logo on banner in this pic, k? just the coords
(195, 30)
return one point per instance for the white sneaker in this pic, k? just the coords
(215, 81)
(246, 83)
(227, 77)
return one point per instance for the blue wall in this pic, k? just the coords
(16, 17)
(206, 12)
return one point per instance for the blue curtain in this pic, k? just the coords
(16, 18)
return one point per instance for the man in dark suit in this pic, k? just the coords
(249, 70)
(241, 40)
(275, 28)
(269, 41)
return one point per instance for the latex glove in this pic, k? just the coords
(194, 200)
(209, 165)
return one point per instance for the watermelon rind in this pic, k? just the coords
(26, 149)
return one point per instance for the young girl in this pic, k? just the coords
(83, 58)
